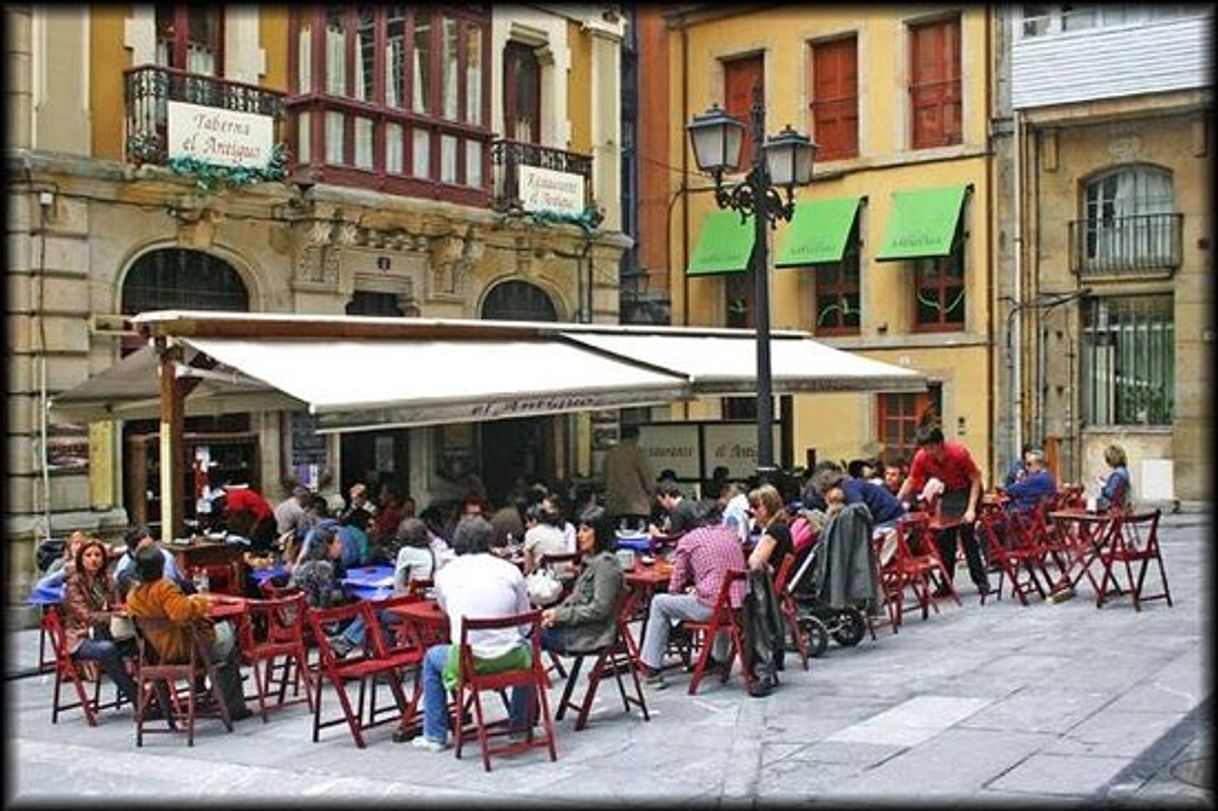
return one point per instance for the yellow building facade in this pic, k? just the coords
(398, 199)
(882, 181)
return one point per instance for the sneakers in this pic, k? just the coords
(341, 646)
(654, 679)
(427, 744)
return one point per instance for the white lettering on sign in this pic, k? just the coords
(222, 137)
(548, 190)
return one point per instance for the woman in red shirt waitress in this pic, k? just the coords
(950, 463)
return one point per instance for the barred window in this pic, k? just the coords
(1128, 361)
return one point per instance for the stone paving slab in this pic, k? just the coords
(1078, 776)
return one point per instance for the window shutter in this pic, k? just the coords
(739, 76)
(835, 98)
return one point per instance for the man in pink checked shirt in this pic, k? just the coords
(703, 557)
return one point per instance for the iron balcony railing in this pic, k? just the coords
(1137, 245)
(508, 156)
(148, 89)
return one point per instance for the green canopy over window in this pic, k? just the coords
(922, 223)
(818, 232)
(724, 245)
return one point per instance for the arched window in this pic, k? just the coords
(1130, 222)
(518, 301)
(182, 279)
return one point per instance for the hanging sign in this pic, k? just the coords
(217, 136)
(548, 190)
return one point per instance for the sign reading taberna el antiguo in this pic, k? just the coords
(220, 137)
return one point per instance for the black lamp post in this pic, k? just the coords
(783, 161)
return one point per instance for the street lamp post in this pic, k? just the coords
(784, 160)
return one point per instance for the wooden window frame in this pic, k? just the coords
(926, 406)
(510, 101)
(949, 90)
(944, 264)
(318, 102)
(828, 148)
(846, 279)
(181, 33)
(745, 115)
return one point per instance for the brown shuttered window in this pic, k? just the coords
(835, 97)
(739, 76)
(934, 89)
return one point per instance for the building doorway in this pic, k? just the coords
(526, 447)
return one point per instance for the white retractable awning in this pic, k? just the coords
(724, 364)
(371, 384)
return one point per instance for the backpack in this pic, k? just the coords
(48, 551)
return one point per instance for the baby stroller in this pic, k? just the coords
(834, 584)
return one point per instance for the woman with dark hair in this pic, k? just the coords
(90, 595)
(415, 560)
(587, 619)
(315, 573)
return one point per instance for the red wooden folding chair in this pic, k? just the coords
(612, 659)
(365, 669)
(723, 618)
(164, 678)
(279, 645)
(472, 684)
(77, 672)
(1013, 552)
(790, 614)
(1134, 539)
(918, 562)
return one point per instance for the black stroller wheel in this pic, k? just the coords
(817, 634)
(851, 627)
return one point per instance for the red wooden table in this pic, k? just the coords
(641, 583)
(1086, 534)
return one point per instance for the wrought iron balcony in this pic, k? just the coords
(508, 156)
(148, 89)
(1137, 246)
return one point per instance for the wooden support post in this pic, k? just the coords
(171, 444)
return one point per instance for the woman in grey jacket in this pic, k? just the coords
(587, 619)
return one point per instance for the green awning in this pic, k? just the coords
(922, 223)
(724, 245)
(818, 232)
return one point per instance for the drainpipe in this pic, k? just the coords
(684, 174)
(990, 224)
(1015, 335)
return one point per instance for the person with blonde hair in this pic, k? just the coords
(1115, 487)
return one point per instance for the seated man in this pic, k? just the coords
(682, 514)
(703, 557)
(476, 584)
(137, 538)
(1037, 483)
(884, 508)
(158, 597)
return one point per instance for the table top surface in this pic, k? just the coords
(423, 610)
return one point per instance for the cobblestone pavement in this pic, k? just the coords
(1049, 704)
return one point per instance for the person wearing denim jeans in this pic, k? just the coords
(704, 556)
(476, 584)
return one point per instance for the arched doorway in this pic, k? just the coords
(184, 279)
(519, 448)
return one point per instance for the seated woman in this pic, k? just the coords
(90, 595)
(416, 559)
(1115, 492)
(775, 544)
(545, 537)
(587, 619)
(315, 574)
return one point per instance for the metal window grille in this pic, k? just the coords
(1128, 361)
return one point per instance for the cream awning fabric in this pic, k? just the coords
(724, 364)
(375, 384)
(358, 373)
